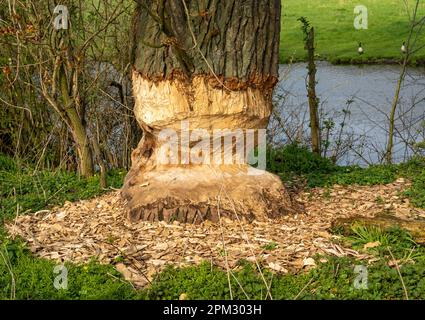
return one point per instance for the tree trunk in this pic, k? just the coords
(78, 129)
(198, 67)
(312, 97)
(82, 142)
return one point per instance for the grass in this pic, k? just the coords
(23, 190)
(34, 278)
(416, 172)
(337, 39)
(363, 235)
(332, 279)
(22, 276)
(294, 163)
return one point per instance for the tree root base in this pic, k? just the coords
(193, 195)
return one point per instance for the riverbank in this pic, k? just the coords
(365, 92)
(337, 39)
(359, 61)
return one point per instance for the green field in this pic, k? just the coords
(337, 39)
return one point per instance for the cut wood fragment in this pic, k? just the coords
(90, 231)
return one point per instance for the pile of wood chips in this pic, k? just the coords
(98, 229)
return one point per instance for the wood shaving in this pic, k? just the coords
(98, 228)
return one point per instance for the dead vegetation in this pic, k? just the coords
(98, 229)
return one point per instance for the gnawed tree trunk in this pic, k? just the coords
(203, 65)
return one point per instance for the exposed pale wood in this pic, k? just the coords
(213, 64)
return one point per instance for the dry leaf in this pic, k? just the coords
(371, 245)
(99, 228)
(309, 262)
(277, 267)
(160, 247)
(121, 268)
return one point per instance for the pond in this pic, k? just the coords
(367, 92)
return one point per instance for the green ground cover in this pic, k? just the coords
(337, 39)
(22, 276)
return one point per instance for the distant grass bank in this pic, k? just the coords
(337, 39)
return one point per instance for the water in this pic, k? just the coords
(371, 89)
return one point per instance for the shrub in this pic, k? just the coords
(297, 160)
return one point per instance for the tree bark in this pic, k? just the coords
(78, 129)
(312, 97)
(203, 65)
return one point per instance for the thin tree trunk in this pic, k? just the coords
(101, 163)
(312, 97)
(389, 151)
(410, 47)
(78, 131)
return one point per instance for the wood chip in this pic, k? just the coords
(98, 228)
